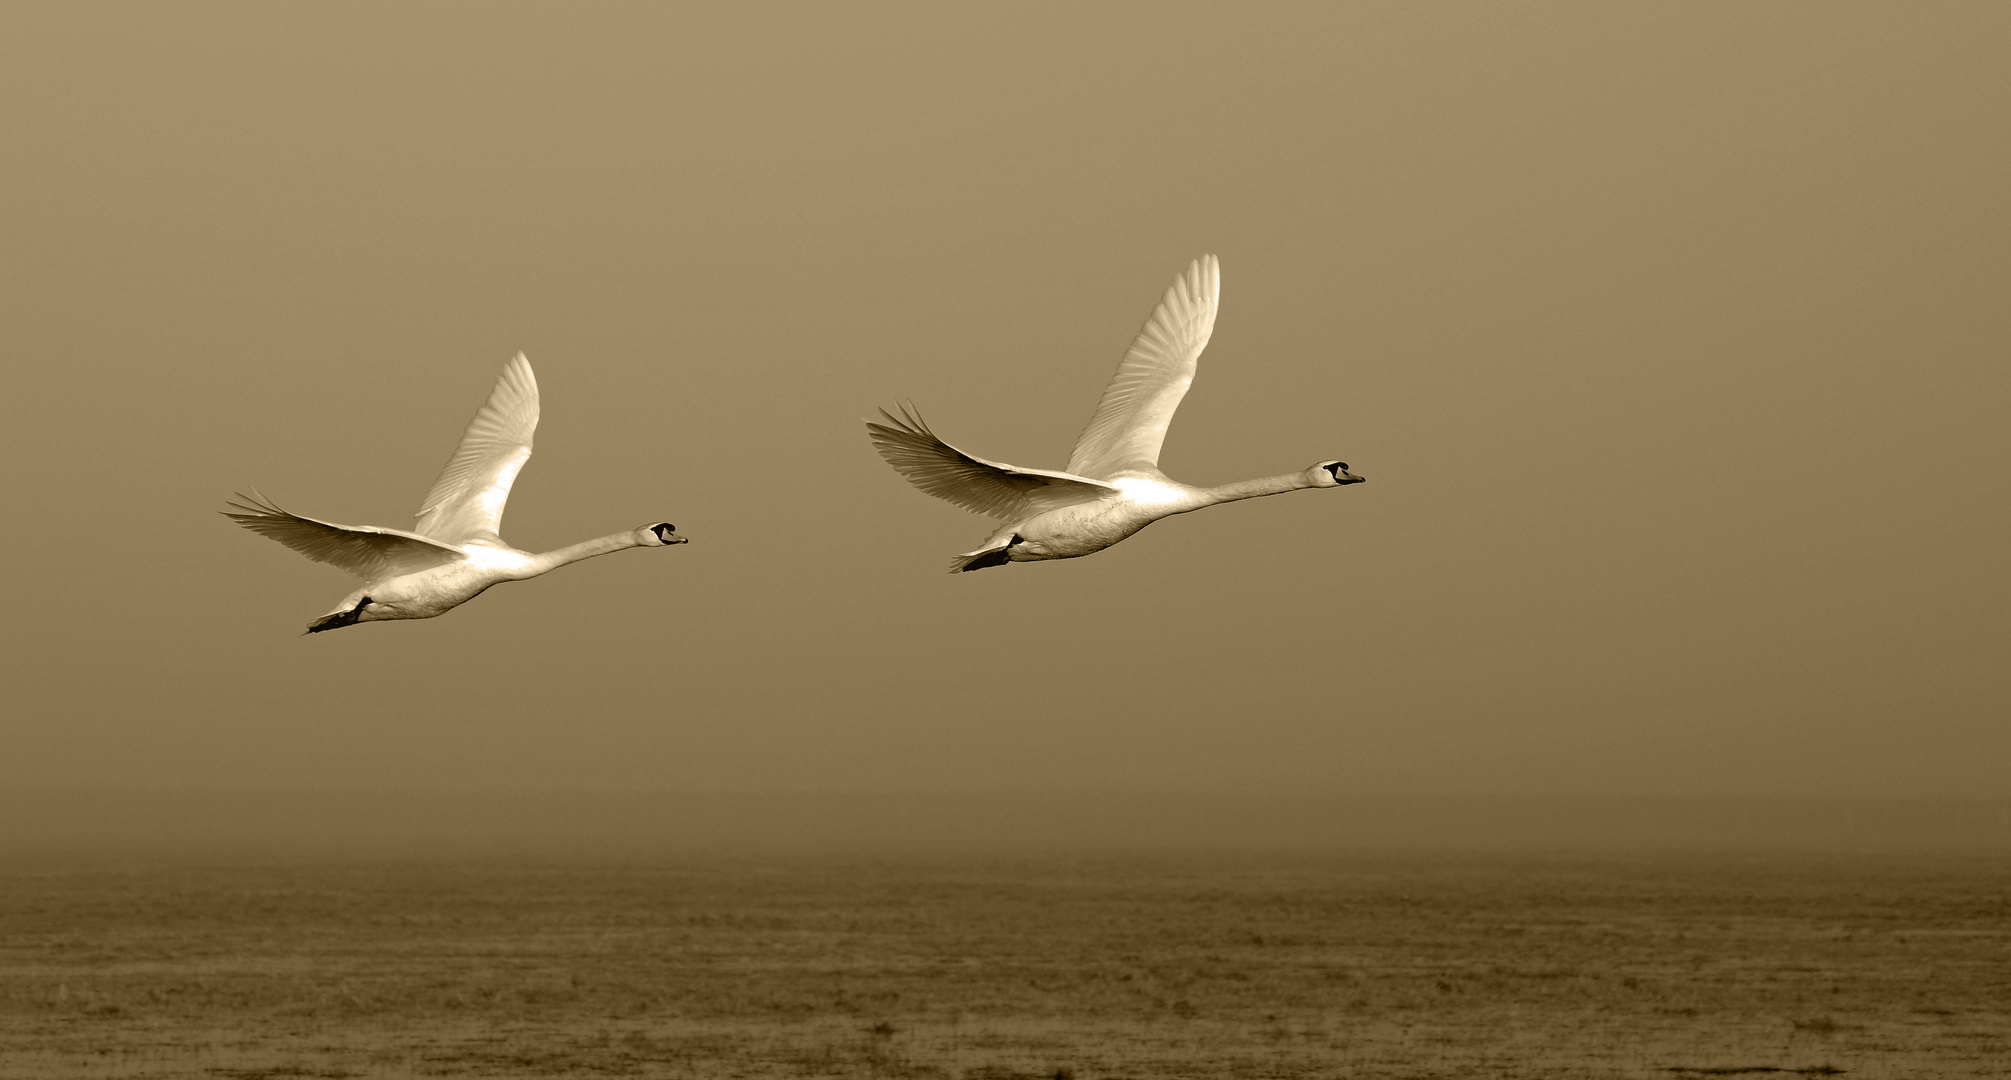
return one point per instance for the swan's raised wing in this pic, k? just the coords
(1130, 423)
(367, 551)
(466, 503)
(1006, 492)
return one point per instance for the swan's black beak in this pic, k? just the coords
(667, 534)
(1341, 475)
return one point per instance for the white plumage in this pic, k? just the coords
(1112, 487)
(454, 551)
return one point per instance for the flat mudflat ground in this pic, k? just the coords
(1367, 964)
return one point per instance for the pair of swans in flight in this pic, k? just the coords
(1111, 489)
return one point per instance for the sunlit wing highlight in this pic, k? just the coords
(1129, 425)
(466, 502)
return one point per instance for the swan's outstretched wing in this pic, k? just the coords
(367, 551)
(1130, 423)
(466, 503)
(1006, 492)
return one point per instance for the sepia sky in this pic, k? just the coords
(1674, 341)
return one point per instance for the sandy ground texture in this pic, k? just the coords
(1350, 965)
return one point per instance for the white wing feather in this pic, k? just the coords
(367, 551)
(1006, 492)
(1124, 435)
(466, 502)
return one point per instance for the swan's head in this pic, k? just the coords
(1333, 474)
(661, 534)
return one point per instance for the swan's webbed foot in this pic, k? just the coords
(339, 619)
(979, 562)
(964, 564)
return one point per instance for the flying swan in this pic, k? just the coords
(453, 553)
(1113, 486)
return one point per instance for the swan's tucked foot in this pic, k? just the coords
(966, 563)
(335, 620)
(983, 557)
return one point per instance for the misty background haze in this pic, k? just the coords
(1672, 340)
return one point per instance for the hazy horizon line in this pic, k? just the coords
(997, 791)
(649, 823)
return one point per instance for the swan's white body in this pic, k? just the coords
(1113, 486)
(454, 552)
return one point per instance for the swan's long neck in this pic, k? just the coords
(1251, 489)
(549, 561)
